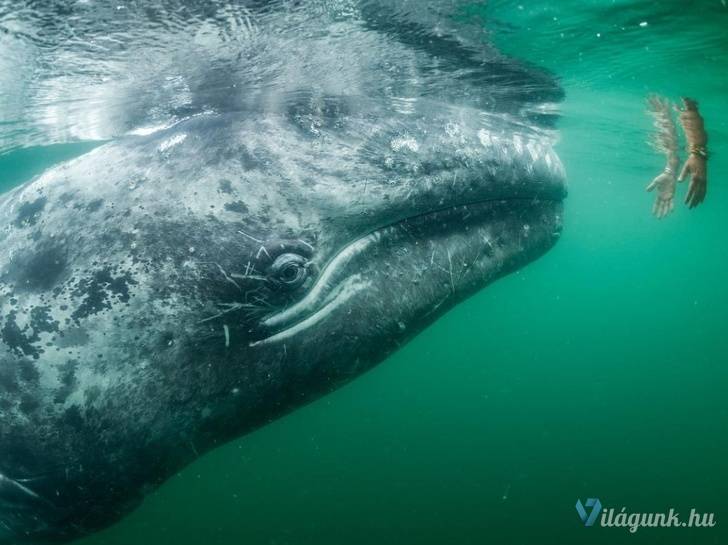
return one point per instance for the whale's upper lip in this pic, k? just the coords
(485, 166)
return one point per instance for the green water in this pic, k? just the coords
(600, 370)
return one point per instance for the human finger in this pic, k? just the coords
(694, 193)
(684, 171)
(690, 194)
(702, 190)
(665, 209)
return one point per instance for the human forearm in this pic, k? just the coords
(694, 127)
(664, 138)
(673, 162)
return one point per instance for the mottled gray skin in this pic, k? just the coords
(146, 313)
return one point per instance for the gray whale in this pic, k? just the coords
(314, 202)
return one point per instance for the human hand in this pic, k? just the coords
(697, 167)
(665, 184)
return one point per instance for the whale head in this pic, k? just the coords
(288, 192)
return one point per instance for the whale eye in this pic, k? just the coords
(289, 270)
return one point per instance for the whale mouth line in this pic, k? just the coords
(334, 287)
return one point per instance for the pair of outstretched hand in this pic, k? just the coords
(665, 140)
(665, 183)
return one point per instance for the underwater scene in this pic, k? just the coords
(310, 272)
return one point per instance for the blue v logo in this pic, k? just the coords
(589, 519)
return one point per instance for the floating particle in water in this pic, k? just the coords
(505, 493)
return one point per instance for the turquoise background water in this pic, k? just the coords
(600, 370)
